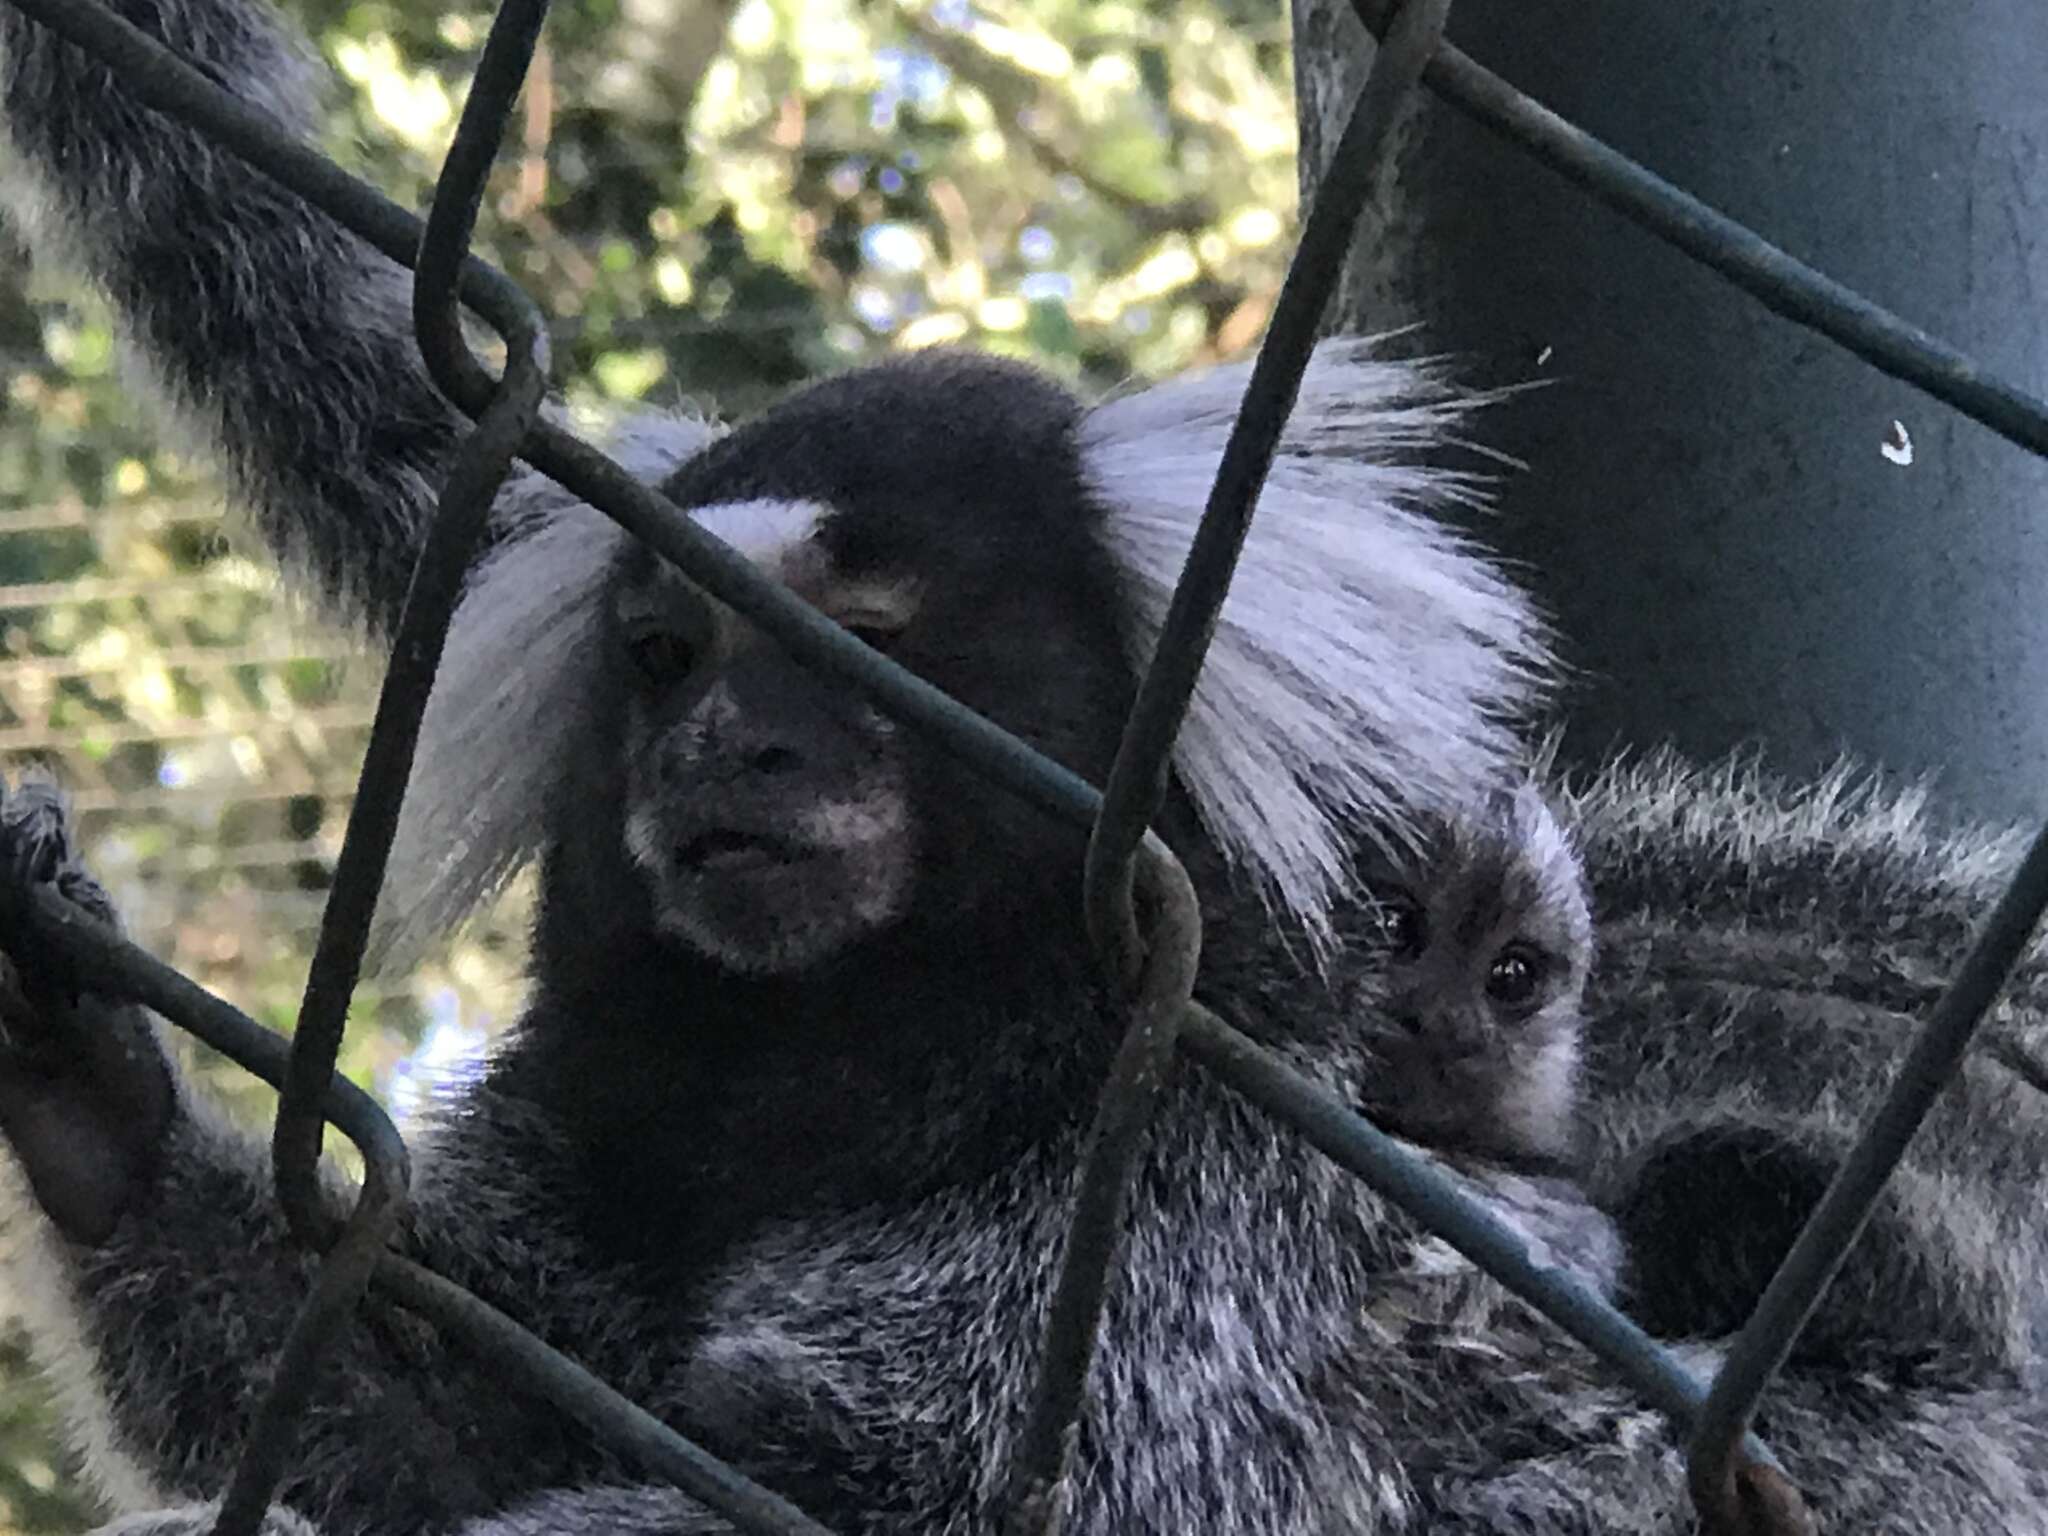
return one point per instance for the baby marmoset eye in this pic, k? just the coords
(1403, 926)
(1516, 977)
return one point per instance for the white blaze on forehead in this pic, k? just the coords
(767, 531)
(780, 539)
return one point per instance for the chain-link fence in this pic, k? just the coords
(1152, 960)
(147, 691)
(207, 739)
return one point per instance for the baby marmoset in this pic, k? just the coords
(1469, 969)
(1475, 960)
(1465, 974)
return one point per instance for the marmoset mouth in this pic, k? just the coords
(728, 849)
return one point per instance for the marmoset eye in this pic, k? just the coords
(1403, 927)
(1516, 974)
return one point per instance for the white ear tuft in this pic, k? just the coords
(1369, 666)
(524, 641)
(522, 648)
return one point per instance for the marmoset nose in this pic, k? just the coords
(764, 718)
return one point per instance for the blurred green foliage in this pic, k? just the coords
(715, 199)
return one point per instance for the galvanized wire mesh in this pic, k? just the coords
(1151, 961)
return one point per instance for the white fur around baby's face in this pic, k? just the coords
(1476, 964)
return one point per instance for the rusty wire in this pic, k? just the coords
(1155, 961)
(1157, 998)
(1795, 290)
(1151, 957)
(481, 465)
(120, 969)
(1137, 779)
(1775, 278)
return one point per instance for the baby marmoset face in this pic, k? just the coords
(1471, 963)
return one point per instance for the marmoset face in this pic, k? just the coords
(1478, 964)
(777, 817)
(768, 808)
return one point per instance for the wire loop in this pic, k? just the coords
(1141, 909)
